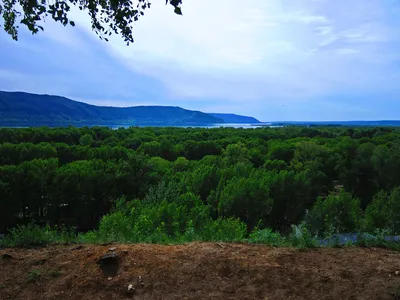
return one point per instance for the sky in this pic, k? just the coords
(276, 60)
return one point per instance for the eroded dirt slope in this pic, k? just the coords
(199, 271)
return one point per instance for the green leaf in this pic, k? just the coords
(175, 3)
(72, 23)
(178, 11)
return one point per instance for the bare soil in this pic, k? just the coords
(199, 271)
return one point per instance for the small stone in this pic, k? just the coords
(112, 249)
(131, 290)
(109, 278)
(397, 273)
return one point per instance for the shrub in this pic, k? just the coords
(115, 227)
(301, 237)
(224, 230)
(30, 235)
(34, 275)
(267, 237)
(336, 214)
(384, 212)
(90, 237)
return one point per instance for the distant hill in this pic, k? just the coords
(390, 123)
(19, 109)
(235, 119)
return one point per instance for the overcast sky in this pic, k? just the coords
(272, 59)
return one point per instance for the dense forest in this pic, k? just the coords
(133, 183)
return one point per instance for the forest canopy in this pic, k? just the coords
(152, 184)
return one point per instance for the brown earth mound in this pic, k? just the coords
(198, 271)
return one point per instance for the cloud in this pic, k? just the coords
(347, 51)
(223, 54)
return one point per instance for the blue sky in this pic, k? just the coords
(273, 59)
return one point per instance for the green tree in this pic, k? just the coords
(106, 17)
(384, 212)
(247, 198)
(335, 214)
(235, 153)
(86, 140)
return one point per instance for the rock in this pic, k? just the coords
(109, 278)
(112, 249)
(109, 264)
(397, 273)
(7, 256)
(131, 288)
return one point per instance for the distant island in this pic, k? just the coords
(26, 109)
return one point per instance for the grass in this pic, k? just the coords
(54, 273)
(34, 275)
(396, 294)
(227, 231)
(267, 237)
(32, 235)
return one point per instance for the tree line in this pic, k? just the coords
(173, 180)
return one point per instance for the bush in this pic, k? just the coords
(34, 275)
(115, 227)
(90, 237)
(301, 237)
(380, 238)
(224, 230)
(384, 212)
(34, 235)
(336, 214)
(267, 237)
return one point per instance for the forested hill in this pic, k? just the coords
(18, 109)
(232, 118)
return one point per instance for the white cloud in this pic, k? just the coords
(324, 30)
(259, 53)
(272, 41)
(347, 51)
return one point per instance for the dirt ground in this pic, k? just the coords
(199, 271)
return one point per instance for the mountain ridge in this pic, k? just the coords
(234, 118)
(20, 108)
